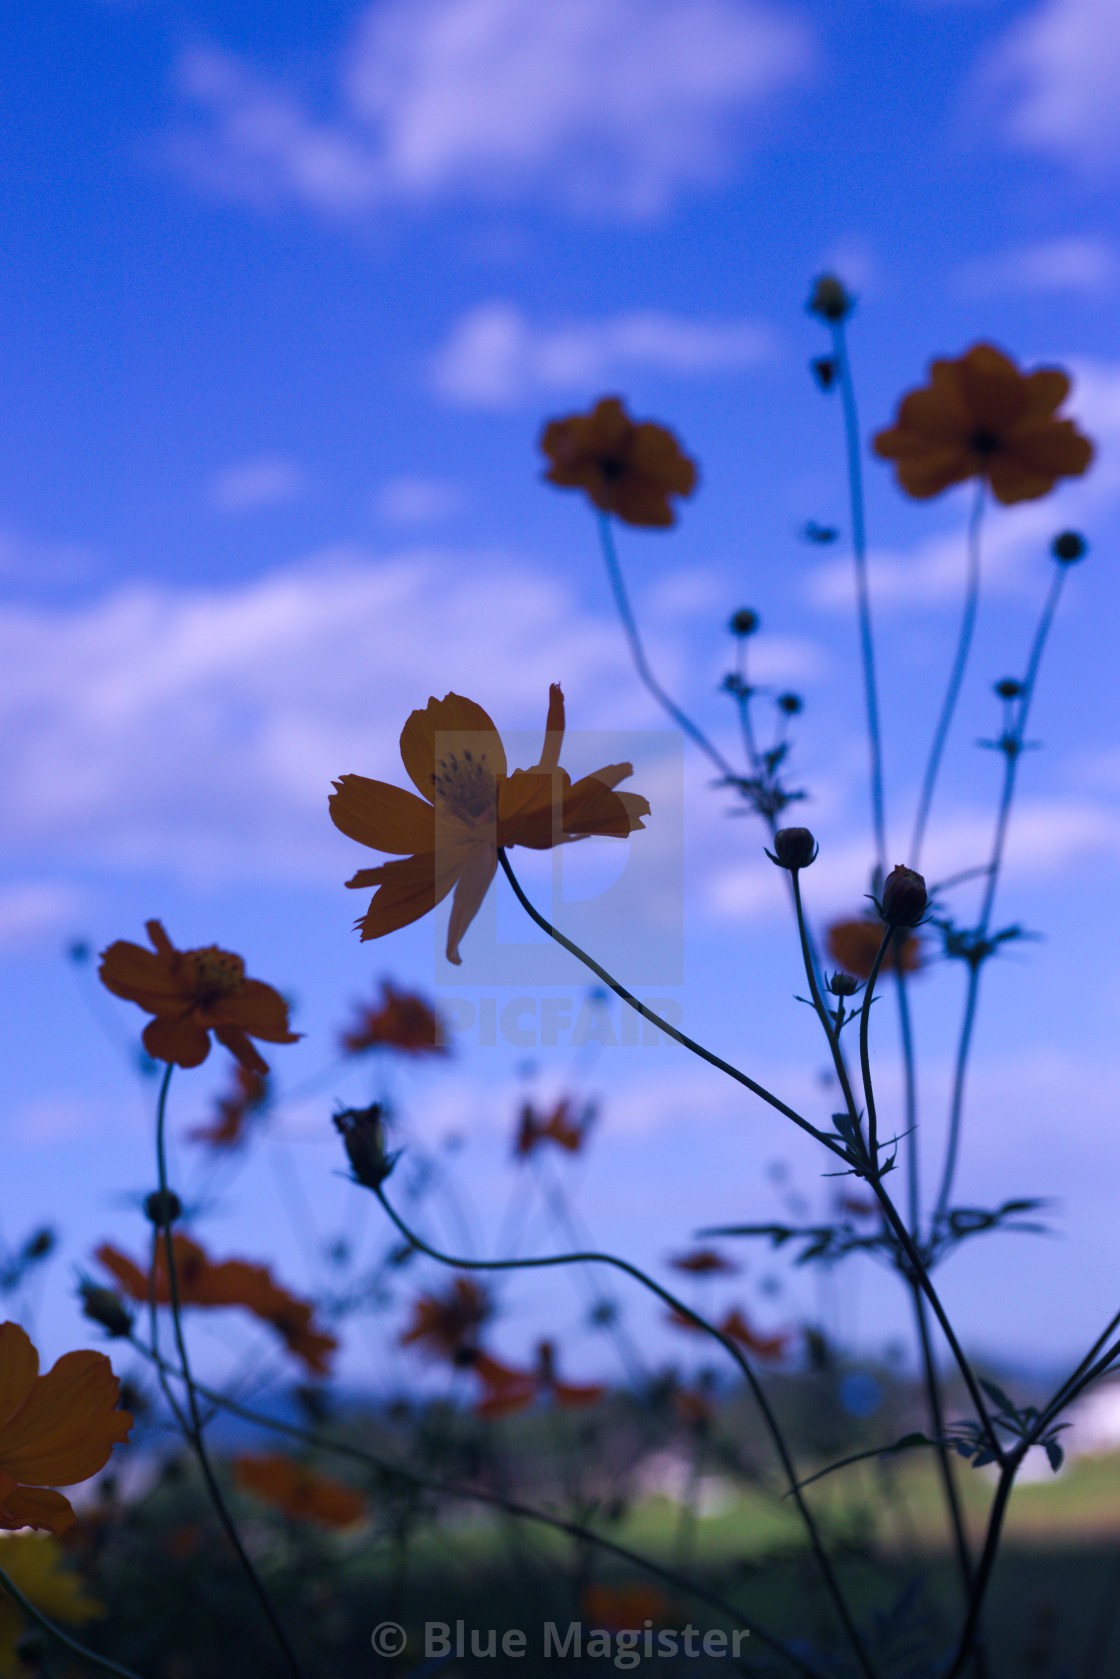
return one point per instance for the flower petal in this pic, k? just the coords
(37, 1507)
(19, 1369)
(408, 889)
(138, 975)
(256, 1008)
(473, 885)
(450, 716)
(593, 808)
(69, 1425)
(553, 730)
(181, 1040)
(384, 817)
(127, 1273)
(234, 1039)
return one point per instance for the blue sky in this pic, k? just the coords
(287, 294)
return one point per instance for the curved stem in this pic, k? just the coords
(863, 591)
(64, 1638)
(865, 1052)
(194, 1431)
(637, 653)
(655, 1019)
(499, 1501)
(956, 675)
(546, 1261)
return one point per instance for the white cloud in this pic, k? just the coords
(495, 357)
(1054, 265)
(417, 501)
(1058, 69)
(614, 104)
(199, 731)
(35, 910)
(257, 483)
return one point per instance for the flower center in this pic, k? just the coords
(466, 787)
(212, 973)
(613, 468)
(985, 442)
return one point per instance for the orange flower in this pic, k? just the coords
(404, 1021)
(229, 1127)
(55, 1430)
(506, 1390)
(979, 417)
(233, 1282)
(447, 1325)
(560, 1126)
(620, 1608)
(471, 806)
(193, 993)
(736, 1328)
(297, 1491)
(855, 945)
(627, 469)
(704, 1262)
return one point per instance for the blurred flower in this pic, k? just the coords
(619, 1608)
(471, 806)
(506, 1390)
(192, 993)
(855, 945)
(736, 1328)
(857, 1206)
(447, 1325)
(55, 1430)
(560, 1126)
(233, 1282)
(403, 1021)
(694, 1408)
(36, 1564)
(979, 417)
(294, 1489)
(229, 1127)
(627, 469)
(704, 1262)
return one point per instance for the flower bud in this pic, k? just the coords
(106, 1308)
(904, 898)
(790, 704)
(843, 985)
(1069, 546)
(363, 1135)
(823, 369)
(163, 1207)
(830, 299)
(794, 848)
(1008, 688)
(743, 622)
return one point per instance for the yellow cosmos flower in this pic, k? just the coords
(980, 417)
(471, 806)
(35, 1563)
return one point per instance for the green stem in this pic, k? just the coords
(194, 1431)
(865, 1052)
(655, 1019)
(968, 1640)
(863, 591)
(831, 1032)
(64, 1638)
(547, 1261)
(956, 676)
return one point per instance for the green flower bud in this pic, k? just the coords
(830, 299)
(363, 1135)
(794, 848)
(1069, 546)
(163, 1207)
(904, 898)
(102, 1306)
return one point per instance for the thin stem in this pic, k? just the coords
(479, 1495)
(937, 1428)
(956, 675)
(655, 1019)
(828, 1576)
(194, 1431)
(637, 653)
(956, 1106)
(910, 1082)
(865, 1051)
(831, 1033)
(968, 1639)
(863, 591)
(64, 1638)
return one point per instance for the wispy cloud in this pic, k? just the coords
(257, 483)
(417, 501)
(1057, 73)
(1075, 264)
(495, 357)
(607, 104)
